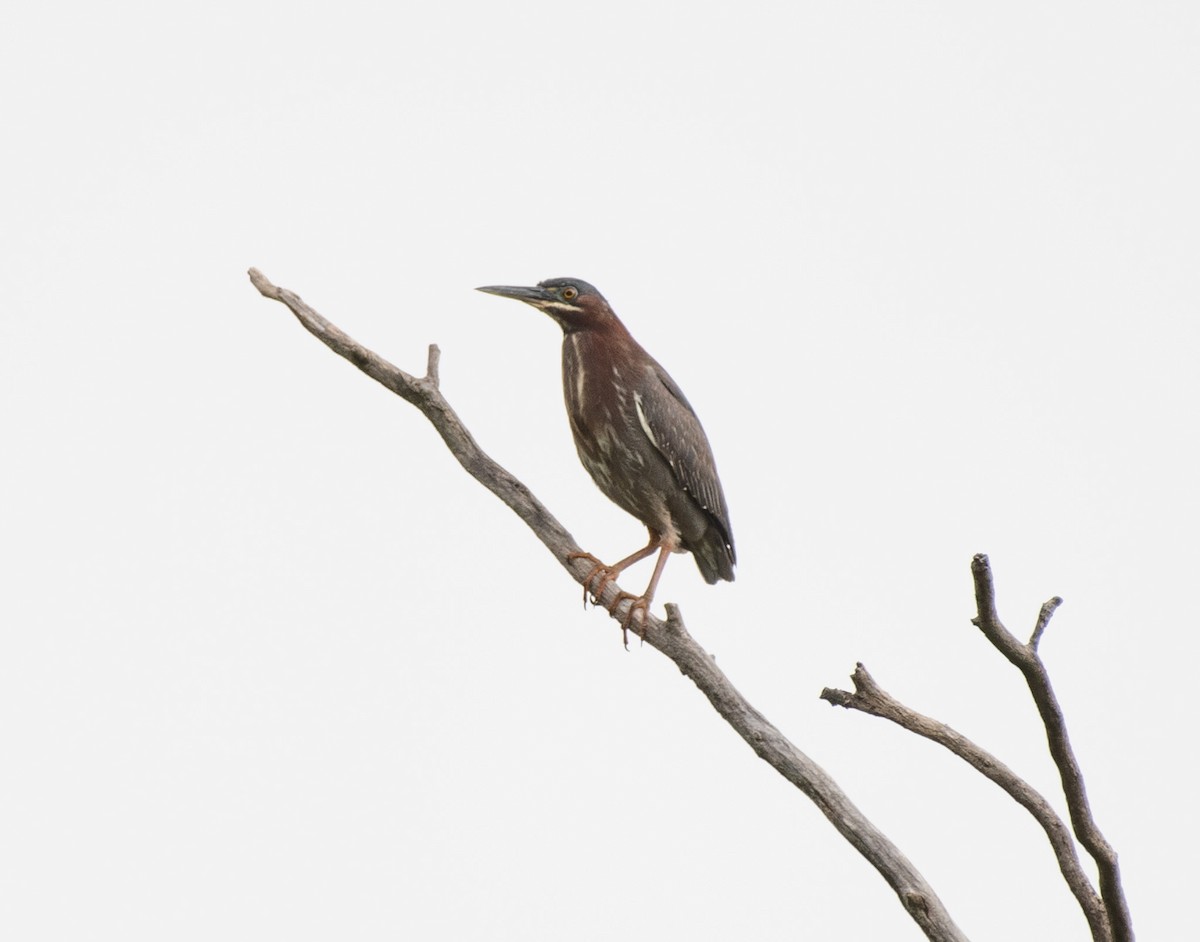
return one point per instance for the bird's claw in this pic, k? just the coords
(598, 569)
(638, 603)
(594, 584)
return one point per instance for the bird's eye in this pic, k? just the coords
(570, 293)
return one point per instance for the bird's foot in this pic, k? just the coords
(598, 571)
(594, 584)
(637, 603)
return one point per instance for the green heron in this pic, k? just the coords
(639, 439)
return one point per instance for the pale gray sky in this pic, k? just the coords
(272, 666)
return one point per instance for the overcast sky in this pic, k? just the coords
(272, 666)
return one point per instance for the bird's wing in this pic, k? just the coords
(671, 424)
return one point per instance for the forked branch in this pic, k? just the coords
(869, 697)
(1106, 912)
(1026, 659)
(669, 637)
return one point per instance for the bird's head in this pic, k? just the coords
(575, 304)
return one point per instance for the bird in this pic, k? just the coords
(640, 440)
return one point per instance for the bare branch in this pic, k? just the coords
(869, 697)
(670, 637)
(431, 368)
(1047, 612)
(1025, 658)
(424, 394)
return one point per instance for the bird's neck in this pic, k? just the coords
(598, 350)
(599, 368)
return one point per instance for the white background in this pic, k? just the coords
(272, 666)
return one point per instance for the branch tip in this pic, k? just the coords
(674, 622)
(264, 286)
(864, 683)
(985, 592)
(835, 697)
(1048, 609)
(431, 366)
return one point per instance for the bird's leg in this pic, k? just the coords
(607, 574)
(641, 603)
(610, 573)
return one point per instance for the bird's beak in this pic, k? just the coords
(534, 296)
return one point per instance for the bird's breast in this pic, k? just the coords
(598, 394)
(602, 386)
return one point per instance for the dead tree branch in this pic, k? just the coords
(1026, 659)
(869, 697)
(669, 637)
(1106, 912)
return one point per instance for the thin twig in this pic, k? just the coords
(869, 697)
(431, 368)
(1047, 612)
(671, 638)
(1025, 658)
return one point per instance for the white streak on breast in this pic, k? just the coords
(579, 371)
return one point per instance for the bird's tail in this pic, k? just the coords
(715, 556)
